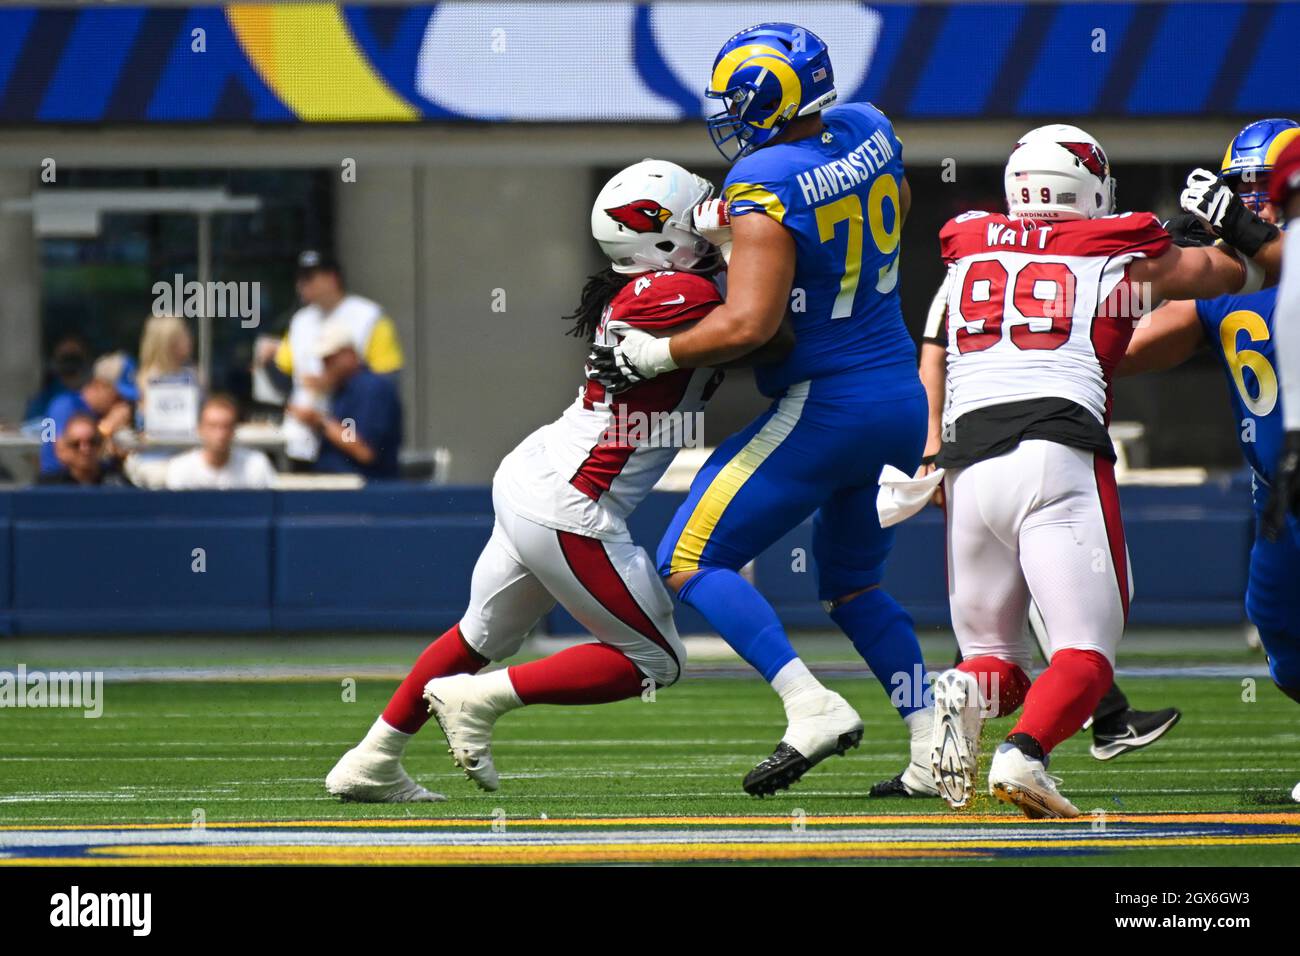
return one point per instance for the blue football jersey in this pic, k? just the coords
(838, 195)
(1240, 331)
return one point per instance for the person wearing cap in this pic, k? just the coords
(106, 397)
(295, 367)
(361, 428)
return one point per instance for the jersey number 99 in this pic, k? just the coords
(984, 301)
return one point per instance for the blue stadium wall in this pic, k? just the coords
(630, 61)
(398, 558)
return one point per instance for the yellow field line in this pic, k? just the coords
(879, 819)
(607, 853)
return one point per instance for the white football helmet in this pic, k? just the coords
(642, 220)
(1059, 172)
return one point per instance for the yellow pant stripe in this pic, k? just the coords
(731, 478)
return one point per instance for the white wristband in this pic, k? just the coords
(658, 357)
(1254, 274)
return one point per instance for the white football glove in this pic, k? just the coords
(1206, 197)
(1212, 201)
(638, 356)
(712, 222)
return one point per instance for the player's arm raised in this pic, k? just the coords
(1213, 201)
(759, 278)
(1167, 337)
(1196, 273)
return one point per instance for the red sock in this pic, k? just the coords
(1064, 696)
(449, 654)
(586, 674)
(1002, 683)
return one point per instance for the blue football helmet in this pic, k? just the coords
(766, 76)
(1250, 157)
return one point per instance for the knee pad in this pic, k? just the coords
(658, 665)
(835, 579)
(1283, 661)
(478, 637)
(875, 601)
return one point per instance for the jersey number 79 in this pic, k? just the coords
(849, 208)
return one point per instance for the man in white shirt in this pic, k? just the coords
(218, 464)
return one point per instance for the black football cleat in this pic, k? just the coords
(1131, 730)
(786, 765)
(897, 787)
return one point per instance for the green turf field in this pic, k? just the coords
(227, 750)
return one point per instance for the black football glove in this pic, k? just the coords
(1213, 201)
(1187, 229)
(608, 366)
(1284, 497)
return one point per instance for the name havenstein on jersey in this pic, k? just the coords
(839, 175)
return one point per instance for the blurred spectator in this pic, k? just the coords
(167, 373)
(362, 427)
(66, 372)
(218, 464)
(295, 366)
(80, 451)
(105, 398)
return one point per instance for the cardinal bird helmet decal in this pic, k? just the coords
(640, 215)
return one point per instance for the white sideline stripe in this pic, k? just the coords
(269, 673)
(709, 794)
(19, 839)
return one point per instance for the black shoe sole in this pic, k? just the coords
(895, 788)
(786, 766)
(1151, 738)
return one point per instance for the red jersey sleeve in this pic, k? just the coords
(662, 300)
(1131, 234)
(966, 235)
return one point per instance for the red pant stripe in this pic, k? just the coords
(1108, 492)
(590, 564)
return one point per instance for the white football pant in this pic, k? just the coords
(1041, 522)
(610, 587)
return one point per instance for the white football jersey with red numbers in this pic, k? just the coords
(1041, 309)
(586, 471)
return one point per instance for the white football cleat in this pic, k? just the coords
(366, 776)
(466, 719)
(819, 723)
(955, 736)
(1024, 782)
(918, 778)
(1295, 794)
